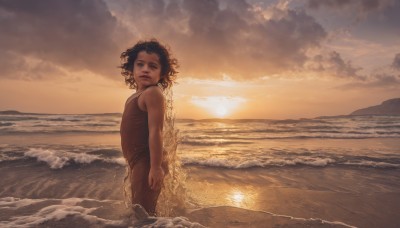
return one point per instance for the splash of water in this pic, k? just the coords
(173, 195)
(127, 187)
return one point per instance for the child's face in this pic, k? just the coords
(146, 70)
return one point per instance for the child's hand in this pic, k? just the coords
(156, 177)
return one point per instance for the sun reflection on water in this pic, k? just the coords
(241, 198)
(237, 197)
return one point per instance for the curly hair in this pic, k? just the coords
(168, 64)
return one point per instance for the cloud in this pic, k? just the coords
(210, 38)
(396, 62)
(362, 6)
(368, 19)
(387, 78)
(49, 38)
(377, 81)
(15, 66)
(333, 65)
(75, 35)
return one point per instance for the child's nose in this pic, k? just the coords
(145, 68)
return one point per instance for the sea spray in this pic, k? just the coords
(127, 187)
(173, 194)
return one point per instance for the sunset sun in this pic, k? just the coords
(218, 106)
(220, 111)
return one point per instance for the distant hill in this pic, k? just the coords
(389, 107)
(14, 112)
(10, 112)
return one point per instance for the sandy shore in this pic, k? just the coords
(356, 197)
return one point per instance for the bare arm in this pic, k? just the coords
(154, 102)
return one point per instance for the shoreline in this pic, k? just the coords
(291, 197)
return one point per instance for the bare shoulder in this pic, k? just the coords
(153, 90)
(153, 95)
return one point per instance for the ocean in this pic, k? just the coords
(339, 171)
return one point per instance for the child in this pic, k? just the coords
(148, 68)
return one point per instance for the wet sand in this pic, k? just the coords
(356, 197)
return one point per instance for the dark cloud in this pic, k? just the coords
(75, 35)
(396, 62)
(377, 81)
(382, 78)
(14, 66)
(386, 79)
(334, 65)
(210, 38)
(363, 6)
(373, 20)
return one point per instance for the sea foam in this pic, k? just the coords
(56, 211)
(57, 159)
(260, 162)
(64, 212)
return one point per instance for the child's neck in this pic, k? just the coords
(139, 90)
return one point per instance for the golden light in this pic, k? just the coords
(237, 197)
(221, 111)
(219, 106)
(244, 197)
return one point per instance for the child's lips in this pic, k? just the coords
(144, 77)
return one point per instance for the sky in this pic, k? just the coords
(270, 59)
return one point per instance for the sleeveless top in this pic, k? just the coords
(134, 131)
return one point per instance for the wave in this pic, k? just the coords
(52, 212)
(230, 163)
(18, 118)
(330, 128)
(381, 127)
(207, 153)
(222, 142)
(373, 164)
(245, 139)
(43, 131)
(54, 161)
(61, 156)
(58, 159)
(100, 125)
(226, 138)
(6, 124)
(80, 212)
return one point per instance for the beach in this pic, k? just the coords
(303, 196)
(260, 114)
(68, 170)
